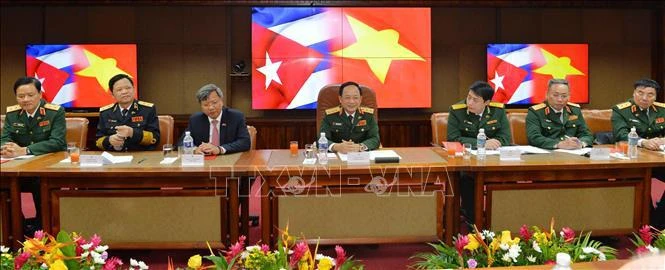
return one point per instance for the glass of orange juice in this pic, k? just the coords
(75, 155)
(623, 147)
(293, 146)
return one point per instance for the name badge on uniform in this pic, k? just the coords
(112, 120)
(137, 119)
(468, 122)
(362, 123)
(635, 120)
(548, 120)
(572, 117)
(491, 122)
(660, 120)
(336, 124)
(19, 124)
(44, 123)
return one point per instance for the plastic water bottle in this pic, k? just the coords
(562, 261)
(188, 144)
(323, 149)
(632, 143)
(480, 144)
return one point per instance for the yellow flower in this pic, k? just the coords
(58, 265)
(495, 245)
(541, 237)
(194, 262)
(325, 264)
(473, 242)
(506, 239)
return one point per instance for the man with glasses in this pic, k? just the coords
(557, 123)
(648, 118)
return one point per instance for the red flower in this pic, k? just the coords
(568, 234)
(642, 250)
(112, 263)
(236, 248)
(341, 256)
(95, 240)
(298, 251)
(524, 232)
(460, 243)
(645, 234)
(550, 262)
(21, 259)
(79, 242)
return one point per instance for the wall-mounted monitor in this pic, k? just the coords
(76, 76)
(296, 51)
(519, 72)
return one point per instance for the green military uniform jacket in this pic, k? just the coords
(44, 133)
(364, 128)
(545, 129)
(627, 115)
(463, 126)
(142, 118)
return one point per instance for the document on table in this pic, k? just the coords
(579, 152)
(18, 158)
(374, 154)
(111, 159)
(527, 149)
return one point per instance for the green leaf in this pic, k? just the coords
(220, 262)
(69, 250)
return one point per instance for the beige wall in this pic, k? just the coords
(184, 47)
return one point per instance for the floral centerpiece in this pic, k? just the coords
(66, 251)
(649, 240)
(291, 253)
(534, 246)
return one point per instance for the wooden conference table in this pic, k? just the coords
(392, 202)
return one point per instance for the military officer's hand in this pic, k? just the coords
(346, 146)
(11, 149)
(492, 144)
(208, 149)
(651, 144)
(116, 140)
(568, 144)
(124, 131)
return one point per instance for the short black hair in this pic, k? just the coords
(349, 83)
(646, 83)
(118, 77)
(482, 89)
(27, 80)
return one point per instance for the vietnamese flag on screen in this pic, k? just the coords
(298, 51)
(519, 72)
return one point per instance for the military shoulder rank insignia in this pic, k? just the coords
(659, 104)
(13, 108)
(624, 105)
(497, 104)
(573, 104)
(106, 107)
(366, 110)
(459, 106)
(147, 104)
(333, 110)
(538, 106)
(53, 107)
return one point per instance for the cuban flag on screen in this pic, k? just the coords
(53, 66)
(291, 61)
(519, 72)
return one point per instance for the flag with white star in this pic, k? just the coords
(519, 72)
(297, 51)
(77, 76)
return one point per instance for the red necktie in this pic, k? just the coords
(215, 133)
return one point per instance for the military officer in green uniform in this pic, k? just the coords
(128, 124)
(349, 127)
(32, 127)
(648, 118)
(467, 117)
(557, 123)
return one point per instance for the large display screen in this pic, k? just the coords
(296, 51)
(76, 75)
(519, 72)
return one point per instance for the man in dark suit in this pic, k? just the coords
(217, 130)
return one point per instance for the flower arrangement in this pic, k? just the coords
(66, 251)
(649, 240)
(291, 253)
(534, 246)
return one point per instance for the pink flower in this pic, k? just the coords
(642, 250)
(79, 242)
(550, 262)
(95, 240)
(472, 263)
(21, 259)
(265, 248)
(524, 232)
(341, 256)
(460, 243)
(568, 234)
(39, 235)
(645, 234)
(112, 263)
(236, 248)
(298, 251)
